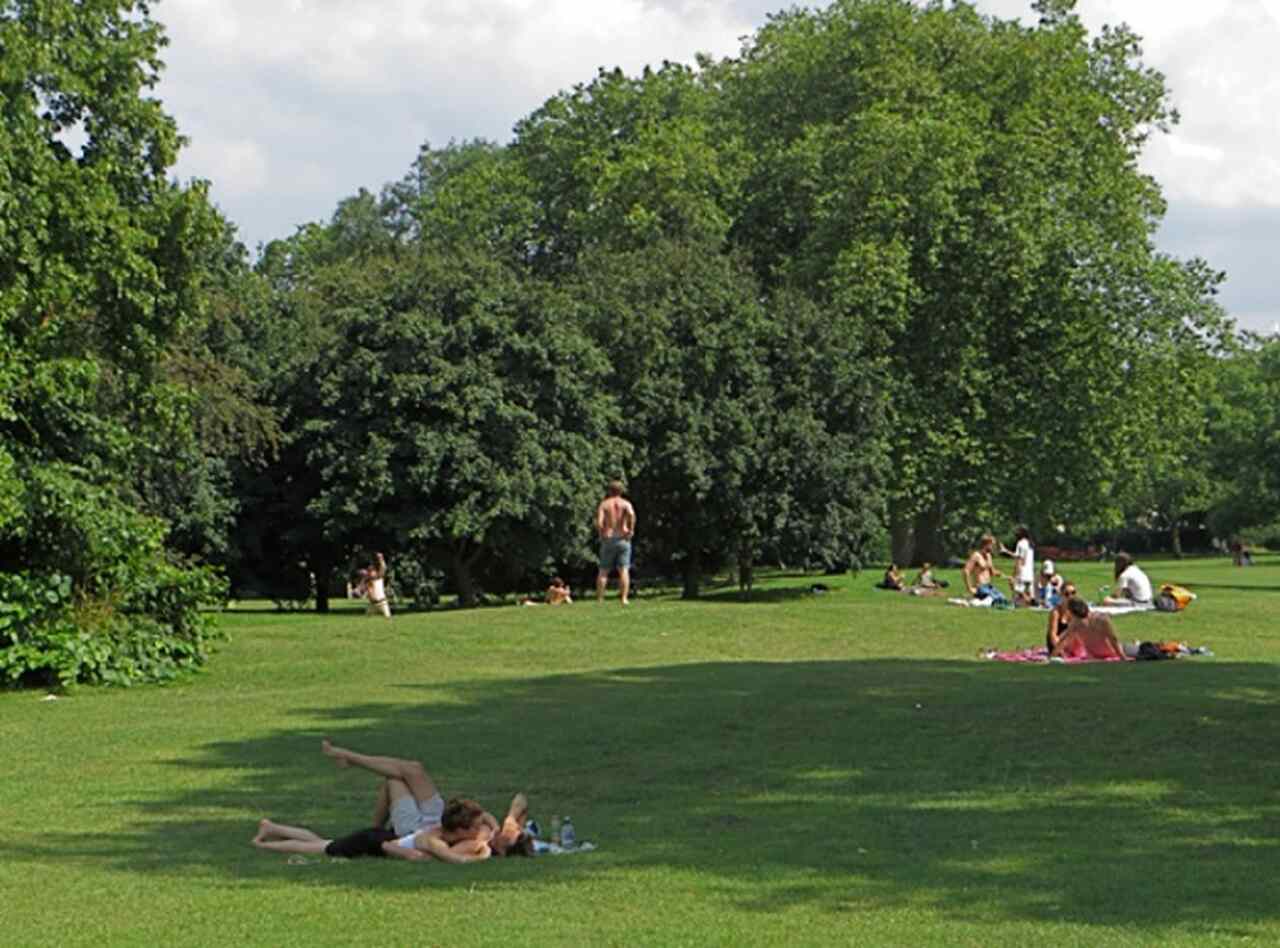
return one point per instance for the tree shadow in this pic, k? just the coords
(767, 595)
(1236, 588)
(1104, 795)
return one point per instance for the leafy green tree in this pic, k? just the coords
(961, 193)
(99, 261)
(459, 419)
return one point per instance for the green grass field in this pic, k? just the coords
(801, 769)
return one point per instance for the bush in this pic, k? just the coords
(50, 638)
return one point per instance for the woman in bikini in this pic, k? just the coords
(1059, 618)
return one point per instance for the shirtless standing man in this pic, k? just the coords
(979, 570)
(615, 524)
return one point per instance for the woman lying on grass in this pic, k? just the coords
(410, 820)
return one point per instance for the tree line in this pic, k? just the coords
(886, 275)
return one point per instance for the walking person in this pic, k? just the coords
(615, 525)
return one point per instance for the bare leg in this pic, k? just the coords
(411, 772)
(269, 830)
(624, 583)
(306, 847)
(382, 806)
(602, 580)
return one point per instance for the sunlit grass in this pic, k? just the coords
(797, 770)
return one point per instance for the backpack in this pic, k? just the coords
(1179, 597)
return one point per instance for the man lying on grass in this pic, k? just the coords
(410, 820)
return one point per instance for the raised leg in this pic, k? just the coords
(411, 772)
(381, 806)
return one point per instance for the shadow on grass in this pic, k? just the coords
(766, 595)
(1138, 795)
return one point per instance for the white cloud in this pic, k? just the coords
(292, 106)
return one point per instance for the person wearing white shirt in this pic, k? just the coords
(1133, 588)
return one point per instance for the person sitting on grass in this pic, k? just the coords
(558, 593)
(892, 579)
(1059, 617)
(1133, 588)
(980, 570)
(1090, 636)
(1049, 586)
(924, 579)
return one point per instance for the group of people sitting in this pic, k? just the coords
(1046, 590)
(924, 583)
(411, 820)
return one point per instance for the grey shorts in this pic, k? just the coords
(409, 815)
(615, 553)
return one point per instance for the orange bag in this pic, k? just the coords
(1181, 596)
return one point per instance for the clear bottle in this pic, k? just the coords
(568, 838)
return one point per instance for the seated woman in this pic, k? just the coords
(1090, 636)
(924, 579)
(892, 579)
(1049, 586)
(558, 592)
(1133, 588)
(1059, 618)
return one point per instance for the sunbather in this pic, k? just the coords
(1059, 618)
(1089, 636)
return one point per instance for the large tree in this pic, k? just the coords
(964, 194)
(99, 269)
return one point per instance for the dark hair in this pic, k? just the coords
(1078, 607)
(557, 581)
(1022, 533)
(522, 845)
(1123, 562)
(616, 488)
(460, 813)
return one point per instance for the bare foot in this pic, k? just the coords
(264, 830)
(334, 753)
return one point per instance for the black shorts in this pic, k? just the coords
(365, 842)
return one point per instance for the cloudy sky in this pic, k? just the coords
(291, 105)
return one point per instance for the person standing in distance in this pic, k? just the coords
(616, 525)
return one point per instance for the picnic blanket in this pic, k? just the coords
(1040, 655)
(1105, 610)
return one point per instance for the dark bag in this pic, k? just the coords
(1166, 603)
(1151, 652)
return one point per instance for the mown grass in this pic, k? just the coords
(802, 769)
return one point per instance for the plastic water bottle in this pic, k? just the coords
(568, 838)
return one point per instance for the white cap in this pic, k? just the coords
(1047, 567)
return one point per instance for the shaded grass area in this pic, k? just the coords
(804, 769)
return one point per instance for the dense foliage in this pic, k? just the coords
(889, 272)
(98, 273)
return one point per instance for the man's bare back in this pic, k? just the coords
(615, 518)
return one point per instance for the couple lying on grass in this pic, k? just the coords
(422, 826)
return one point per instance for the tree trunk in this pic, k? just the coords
(928, 538)
(1175, 537)
(746, 570)
(692, 574)
(320, 576)
(902, 541)
(462, 578)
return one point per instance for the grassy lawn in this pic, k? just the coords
(830, 769)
